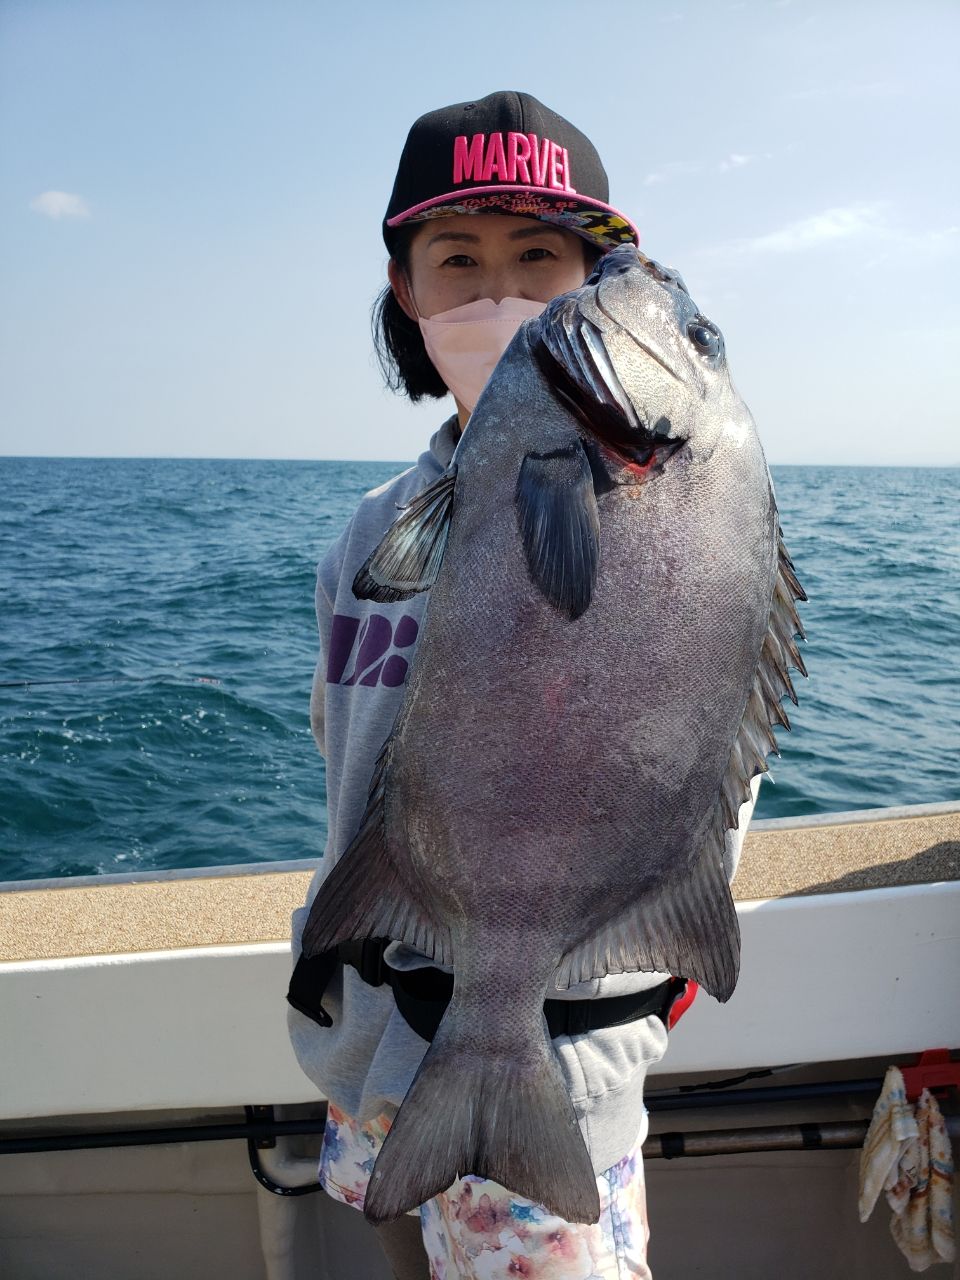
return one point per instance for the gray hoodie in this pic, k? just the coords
(366, 1061)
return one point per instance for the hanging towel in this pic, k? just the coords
(907, 1154)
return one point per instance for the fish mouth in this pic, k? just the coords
(575, 364)
(620, 466)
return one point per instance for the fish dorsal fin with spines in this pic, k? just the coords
(689, 926)
(365, 895)
(408, 556)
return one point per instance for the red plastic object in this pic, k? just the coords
(934, 1071)
(682, 1004)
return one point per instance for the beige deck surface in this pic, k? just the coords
(855, 855)
(223, 910)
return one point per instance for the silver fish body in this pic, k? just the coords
(601, 663)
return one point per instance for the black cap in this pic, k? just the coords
(506, 153)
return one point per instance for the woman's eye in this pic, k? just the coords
(535, 255)
(458, 260)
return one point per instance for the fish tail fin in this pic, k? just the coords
(509, 1119)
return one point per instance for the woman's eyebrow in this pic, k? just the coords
(468, 237)
(538, 229)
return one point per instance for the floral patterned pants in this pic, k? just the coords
(479, 1231)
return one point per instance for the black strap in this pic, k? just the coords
(422, 995)
(312, 975)
(366, 956)
(309, 982)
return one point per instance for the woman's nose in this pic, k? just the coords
(500, 284)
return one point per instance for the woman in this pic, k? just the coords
(498, 206)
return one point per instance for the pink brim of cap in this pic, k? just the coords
(560, 209)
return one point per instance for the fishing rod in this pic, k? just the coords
(164, 675)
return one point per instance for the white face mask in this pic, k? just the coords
(466, 343)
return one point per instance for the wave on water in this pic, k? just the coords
(170, 606)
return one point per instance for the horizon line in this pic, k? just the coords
(401, 462)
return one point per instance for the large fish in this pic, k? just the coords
(600, 668)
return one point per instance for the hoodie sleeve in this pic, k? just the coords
(328, 578)
(733, 840)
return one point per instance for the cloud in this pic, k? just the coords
(60, 204)
(941, 238)
(685, 168)
(920, 246)
(819, 229)
(866, 228)
(866, 224)
(735, 160)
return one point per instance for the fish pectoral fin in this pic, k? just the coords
(366, 897)
(409, 555)
(687, 928)
(559, 525)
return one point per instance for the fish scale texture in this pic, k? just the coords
(583, 757)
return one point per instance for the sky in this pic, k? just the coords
(191, 195)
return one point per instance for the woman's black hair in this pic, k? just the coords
(397, 339)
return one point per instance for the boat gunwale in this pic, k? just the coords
(892, 813)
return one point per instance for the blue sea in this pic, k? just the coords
(158, 643)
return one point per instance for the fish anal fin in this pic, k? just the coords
(687, 927)
(365, 895)
(408, 557)
(559, 526)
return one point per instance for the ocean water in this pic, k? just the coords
(158, 641)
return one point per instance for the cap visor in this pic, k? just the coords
(591, 219)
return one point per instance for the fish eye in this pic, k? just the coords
(705, 336)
